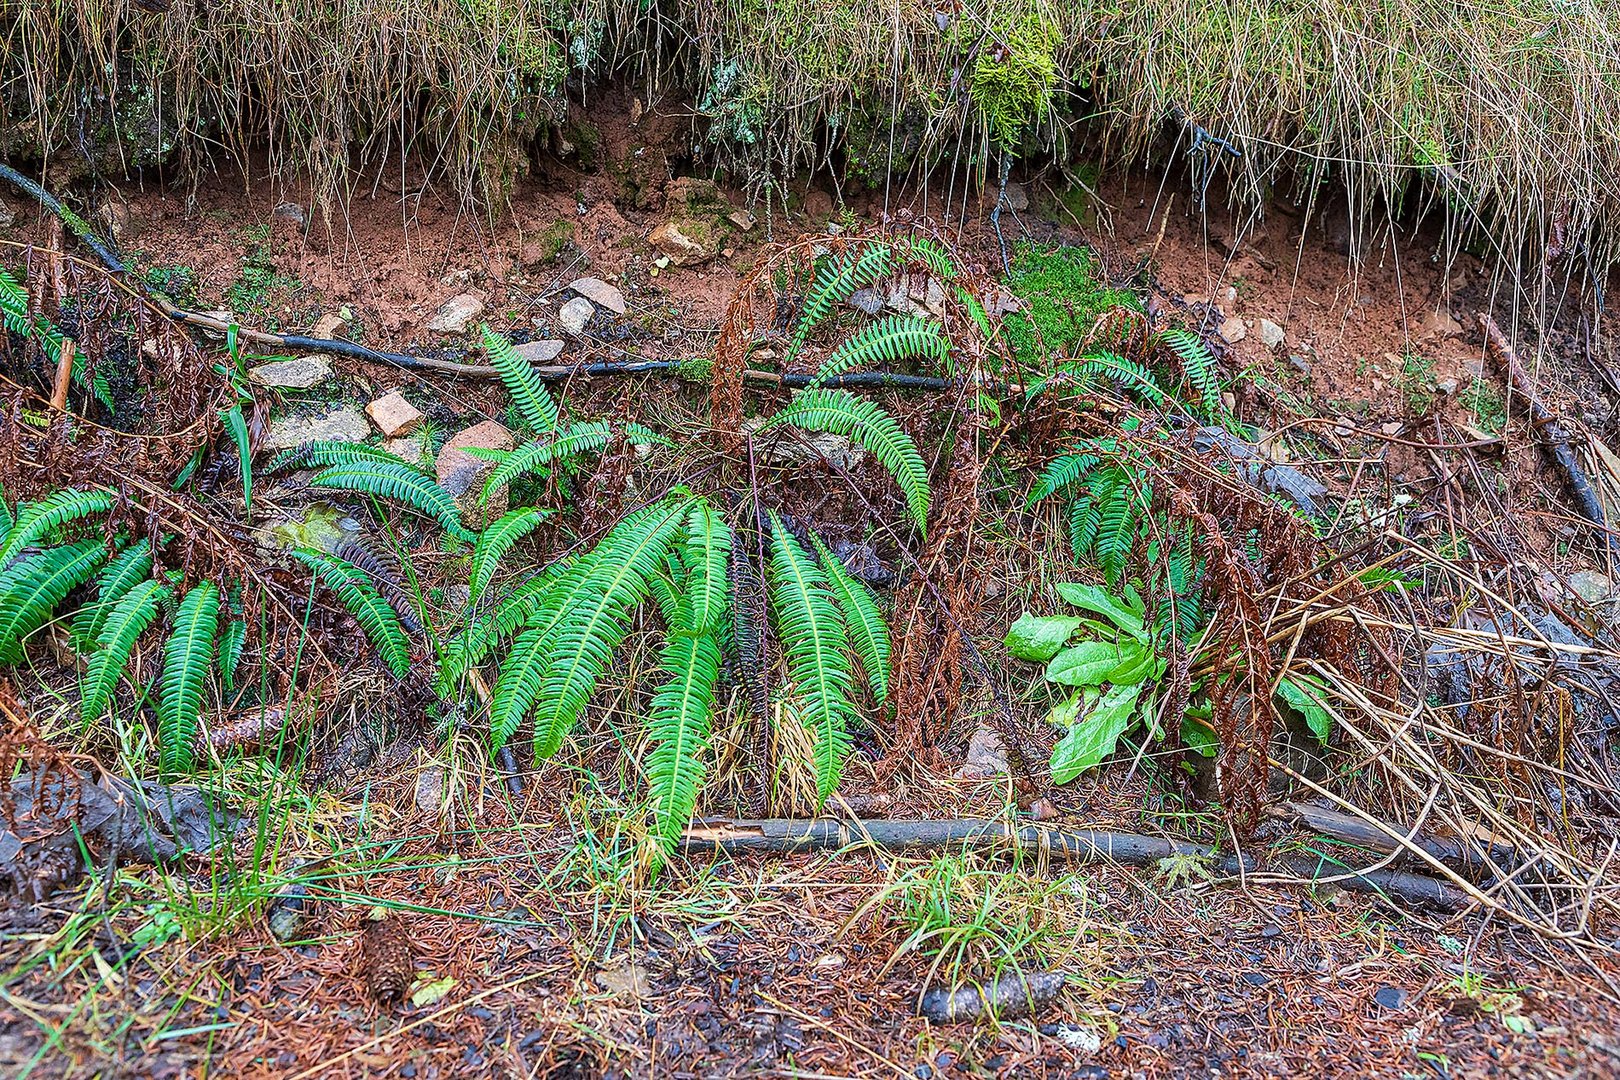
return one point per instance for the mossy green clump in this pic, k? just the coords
(1061, 301)
(1013, 75)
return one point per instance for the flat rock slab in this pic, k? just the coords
(302, 373)
(346, 424)
(574, 315)
(462, 474)
(540, 353)
(455, 313)
(685, 243)
(394, 416)
(600, 293)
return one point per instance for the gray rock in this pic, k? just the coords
(455, 313)
(430, 789)
(742, 219)
(1017, 199)
(540, 353)
(869, 301)
(410, 448)
(811, 447)
(600, 293)
(1272, 336)
(302, 373)
(292, 211)
(574, 315)
(1390, 997)
(8, 216)
(343, 424)
(1259, 470)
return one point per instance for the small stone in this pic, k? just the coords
(1445, 387)
(394, 416)
(462, 474)
(683, 243)
(986, 757)
(868, 301)
(1043, 809)
(330, 325)
(813, 447)
(600, 293)
(1392, 427)
(1390, 997)
(1256, 978)
(346, 424)
(292, 212)
(818, 206)
(1016, 198)
(540, 352)
(8, 216)
(411, 449)
(1270, 930)
(1272, 336)
(574, 315)
(1591, 586)
(302, 373)
(742, 219)
(1300, 364)
(1233, 330)
(1436, 323)
(430, 790)
(455, 313)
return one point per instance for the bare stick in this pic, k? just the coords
(64, 376)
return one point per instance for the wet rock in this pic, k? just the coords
(600, 293)
(411, 449)
(1233, 330)
(1255, 466)
(1390, 997)
(1433, 324)
(455, 313)
(812, 447)
(867, 301)
(575, 315)
(462, 474)
(1272, 336)
(8, 216)
(343, 424)
(394, 416)
(291, 211)
(684, 243)
(986, 757)
(430, 790)
(540, 352)
(1015, 198)
(742, 219)
(302, 373)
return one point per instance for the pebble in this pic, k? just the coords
(1390, 997)
(1233, 330)
(540, 352)
(394, 416)
(574, 315)
(345, 424)
(301, 373)
(455, 313)
(1272, 336)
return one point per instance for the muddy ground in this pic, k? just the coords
(534, 960)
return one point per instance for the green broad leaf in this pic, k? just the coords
(1065, 713)
(1038, 638)
(1303, 693)
(1137, 663)
(1127, 612)
(1199, 739)
(1094, 738)
(1086, 664)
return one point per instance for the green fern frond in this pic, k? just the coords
(705, 554)
(641, 434)
(572, 441)
(868, 630)
(583, 639)
(374, 614)
(231, 645)
(36, 521)
(323, 452)
(400, 483)
(128, 569)
(187, 658)
(842, 413)
(128, 619)
(835, 282)
(474, 642)
(32, 587)
(1120, 517)
(1087, 370)
(886, 341)
(21, 321)
(815, 644)
(493, 544)
(678, 723)
(1062, 473)
(1198, 365)
(582, 611)
(529, 394)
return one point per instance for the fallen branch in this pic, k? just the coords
(1077, 846)
(1458, 856)
(1554, 440)
(1007, 998)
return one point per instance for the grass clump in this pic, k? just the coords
(1061, 301)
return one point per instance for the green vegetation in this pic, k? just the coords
(1485, 402)
(1417, 381)
(252, 297)
(1383, 98)
(1062, 303)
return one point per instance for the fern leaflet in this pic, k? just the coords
(493, 544)
(529, 394)
(889, 339)
(333, 452)
(678, 724)
(400, 483)
(132, 566)
(706, 552)
(126, 622)
(868, 630)
(32, 587)
(187, 659)
(814, 644)
(575, 439)
(374, 614)
(35, 521)
(835, 282)
(1198, 364)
